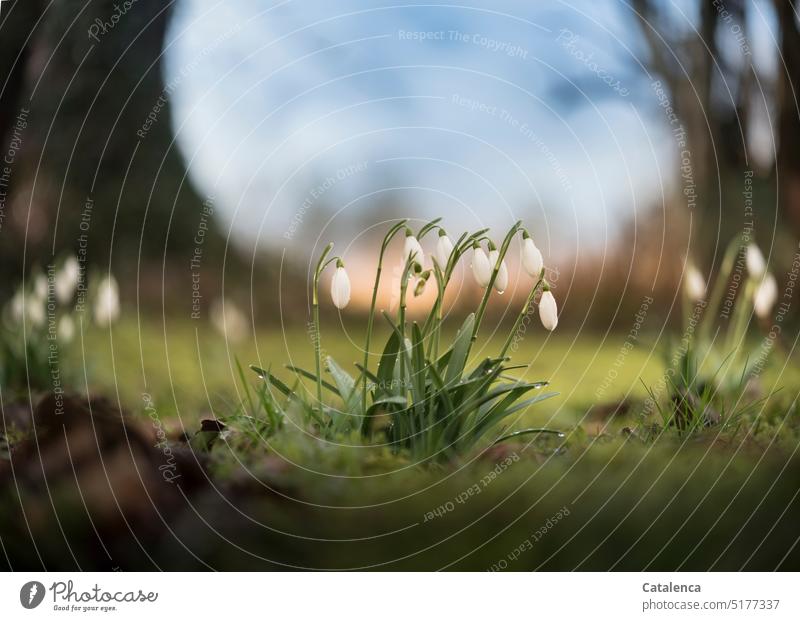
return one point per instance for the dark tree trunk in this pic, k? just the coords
(789, 120)
(97, 168)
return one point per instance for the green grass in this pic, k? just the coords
(191, 372)
(657, 499)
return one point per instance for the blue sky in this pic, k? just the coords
(306, 119)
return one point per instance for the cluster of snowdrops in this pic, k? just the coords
(42, 318)
(424, 396)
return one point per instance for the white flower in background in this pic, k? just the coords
(66, 329)
(18, 306)
(695, 284)
(28, 306)
(228, 320)
(66, 280)
(106, 305)
(531, 256)
(501, 280)
(413, 248)
(548, 311)
(444, 248)
(481, 268)
(35, 310)
(40, 287)
(765, 296)
(756, 264)
(340, 286)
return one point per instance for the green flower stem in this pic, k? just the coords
(522, 314)
(315, 315)
(434, 321)
(741, 317)
(438, 312)
(386, 240)
(428, 227)
(714, 300)
(502, 253)
(401, 315)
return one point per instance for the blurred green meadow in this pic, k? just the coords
(190, 370)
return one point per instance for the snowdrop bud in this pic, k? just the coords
(531, 256)
(756, 264)
(419, 289)
(67, 280)
(66, 329)
(40, 287)
(18, 306)
(481, 268)
(106, 306)
(413, 248)
(765, 296)
(548, 312)
(695, 284)
(444, 248)
(340, 286)
(35, 309)
(501, 280)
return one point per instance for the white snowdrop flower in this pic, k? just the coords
(756, 264)
(18, 306)
(413, 247)
(444, 248)
(66, 280)
(481, 268)
(695, 284)
(501, 280)
(765, 296)
(66, 329)
(340, 286)
(548, 311)
(106, 305)
(531, 256)
(40, 287)
(35, 310)
(228, 320)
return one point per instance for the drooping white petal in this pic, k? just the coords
(444, 248)
(531, 258)
(695, 284)
(35, 310)
(765, 296)
(340, 288)
(548, 311)
(40, 286)
(106, 307)
(756, 264)
(66, 280)
(18, 306)
(66, 329)
(413, 247)
(501, 280)
(481, 268)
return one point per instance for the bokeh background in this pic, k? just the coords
(204, 153)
